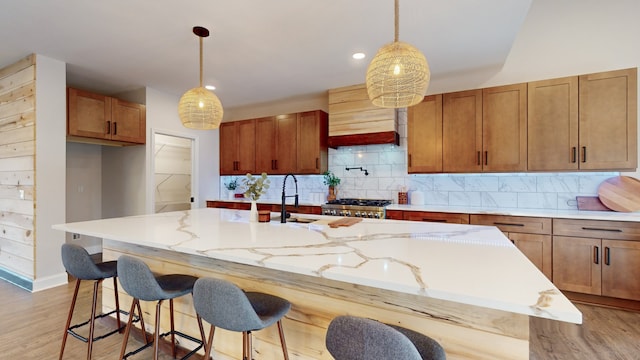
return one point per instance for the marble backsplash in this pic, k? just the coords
(387, 168)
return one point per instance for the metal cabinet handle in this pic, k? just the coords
(599, 229)
(584, 154)
(478, 161)
(108, 127)
(115, 128)
(596, 255)
(434, 220)
(486, 158)
(506, 224)
(607, 254)
(573, 154)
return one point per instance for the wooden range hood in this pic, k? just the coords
(354, 120)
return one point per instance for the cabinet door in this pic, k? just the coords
(462, 131)
(265, 145)
(286, 146)
(576, 264)
(89, 114)
(552, 125)
(451, 218)
(537, 248)
(246, 147)
(504, 128)
(621, 269)
(237, 147)
(228, 146)
(313, 129)
(608, 120)
(424, 136)
(128, 122)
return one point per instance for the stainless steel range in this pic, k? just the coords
(364, 208)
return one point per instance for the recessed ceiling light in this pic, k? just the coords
(210, 87)
(358, 56)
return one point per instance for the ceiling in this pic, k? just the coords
(259, 51)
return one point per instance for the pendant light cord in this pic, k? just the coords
(397, 21)
(200, 37)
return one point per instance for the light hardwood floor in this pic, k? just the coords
(31, 327)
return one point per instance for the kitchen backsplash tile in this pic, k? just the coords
(387, 168)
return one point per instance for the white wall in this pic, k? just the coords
(84, 189)
(51, 119)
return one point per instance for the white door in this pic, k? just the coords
(173, 159)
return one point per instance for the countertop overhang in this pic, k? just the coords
(469, 264)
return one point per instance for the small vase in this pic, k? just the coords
(253, 213)
(332, 193)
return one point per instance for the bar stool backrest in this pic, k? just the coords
(137, 279)
(223, 304)
(78, 263)
(355, 338)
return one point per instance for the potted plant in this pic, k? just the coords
(231, 187)
(331, 180)
(255, 186)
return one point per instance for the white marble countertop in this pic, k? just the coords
(475, 265)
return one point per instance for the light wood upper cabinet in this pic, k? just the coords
(291, 143)
(424, 145)
(608, 120)
(553, 124)
(504, 128)
(276, 146)
(237, 147)
(462, 131)
(312, 134)
(101, 117)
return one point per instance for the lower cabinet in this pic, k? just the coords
(451, 218)
(531, 235)
(597, 257)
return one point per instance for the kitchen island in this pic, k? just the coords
(466, 286)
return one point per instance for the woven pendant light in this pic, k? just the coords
(398, 76)
(200, 108)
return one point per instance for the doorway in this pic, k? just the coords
(173, 172)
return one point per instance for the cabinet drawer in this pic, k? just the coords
(515, 224)
(452, 218)
(600, 229)
(394, 214)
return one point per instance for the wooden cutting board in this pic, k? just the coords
(592, 203)
(620, 193)
(347, 221)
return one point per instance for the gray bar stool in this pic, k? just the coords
(139, 282)
(356, 338)
(79, 264)
(223, 304)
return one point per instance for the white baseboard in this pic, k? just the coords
(49, 282)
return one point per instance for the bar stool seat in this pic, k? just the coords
(223, 304)
(356, 338)
(139, 282)
(80, 265)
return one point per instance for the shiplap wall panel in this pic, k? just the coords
(17, 166)
(351, 112)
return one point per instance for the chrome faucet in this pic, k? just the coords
(283, 209)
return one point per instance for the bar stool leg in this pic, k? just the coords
(209, 344)
(173, 336)
(142, 327)
(115, 289)
(92, 320)
(282, 342)
(66, 328)
(156, 335)
(127, 329)
(249, 346)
